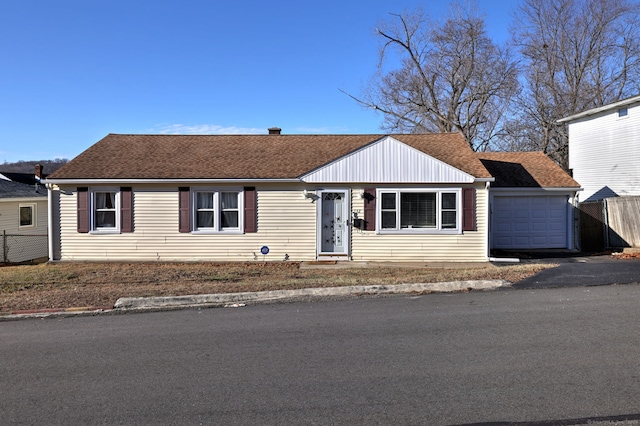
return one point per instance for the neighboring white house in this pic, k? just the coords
(23, 222)
(294, 197)
(604, 149)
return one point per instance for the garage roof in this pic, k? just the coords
(525, 170)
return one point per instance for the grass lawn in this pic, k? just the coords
(91, 284)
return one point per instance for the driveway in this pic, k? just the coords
(580, 271)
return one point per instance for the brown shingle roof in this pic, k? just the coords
(525, 170)
(243, 156)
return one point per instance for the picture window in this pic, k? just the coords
(419, 211)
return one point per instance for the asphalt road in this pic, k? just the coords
(548, 356)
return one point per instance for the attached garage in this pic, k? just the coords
(531, 202)
(530, 222)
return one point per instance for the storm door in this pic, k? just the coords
(333, 223)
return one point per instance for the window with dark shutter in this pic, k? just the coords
(468, 209)
(369, 209)
(83, 209)
(250, 210)
(126, 209)
(184, 210)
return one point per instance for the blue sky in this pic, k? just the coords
(73, 71)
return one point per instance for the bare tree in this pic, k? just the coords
(451, 77)
(577, 55)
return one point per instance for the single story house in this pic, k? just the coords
(418, 197)
(23, 222)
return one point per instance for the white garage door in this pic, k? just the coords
(529, 222)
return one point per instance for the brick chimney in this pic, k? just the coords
(38, 172)
(274, 130)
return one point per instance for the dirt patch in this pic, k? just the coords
(64, 285)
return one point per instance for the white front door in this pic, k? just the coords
(333, 223)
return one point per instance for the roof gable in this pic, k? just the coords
(387, 160)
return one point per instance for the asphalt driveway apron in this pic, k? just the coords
(584, 271)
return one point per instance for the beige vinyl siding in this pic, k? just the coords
(470, 246)
(286, 224)
(19, 247)
(10, 216)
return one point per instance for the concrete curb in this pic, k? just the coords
(151, 304)
(141, 303)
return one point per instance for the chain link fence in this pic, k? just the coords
(20, 248)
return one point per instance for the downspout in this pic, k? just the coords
(50, 220)
(575, 223)
(487, 186)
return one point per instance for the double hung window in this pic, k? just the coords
(419, 211)
(102, 213)
(104, 210)
(217, 211)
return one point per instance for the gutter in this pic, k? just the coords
(21, 199)
(594, 111)
(167, 181)
(536, 190)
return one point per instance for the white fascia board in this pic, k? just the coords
(534, 191)
(594, 111)
(165, 181)
(23, 199)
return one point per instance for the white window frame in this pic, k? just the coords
(34, 211)
(437, 229)
(217, 211)
(94, 229)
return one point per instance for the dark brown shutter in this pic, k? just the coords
(250, 211)
(468, 209)
(369, 209)
(126, 209)
(184, 209)
(83, 210)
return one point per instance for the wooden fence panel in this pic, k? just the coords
(623, 220)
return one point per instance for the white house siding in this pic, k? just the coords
(604, 152)
(470, 246)
(33, 245)
(387, 160)
(286, 224)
